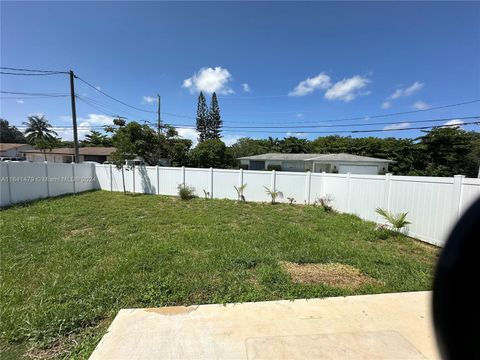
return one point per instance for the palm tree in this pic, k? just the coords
(38, 133)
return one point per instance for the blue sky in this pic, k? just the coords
(272, 64)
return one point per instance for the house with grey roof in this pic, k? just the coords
(329, 163)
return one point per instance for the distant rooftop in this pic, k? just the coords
(316, 157)
(87, 150)
(9, 146)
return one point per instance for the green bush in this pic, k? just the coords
(186, 192)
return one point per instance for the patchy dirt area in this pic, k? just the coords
(332, 274)
(85, 231)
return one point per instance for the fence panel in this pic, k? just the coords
(169, 179)
(61, 179)
(291, 184)
(337, 186)
(470, 192)
(146, 179)
(199, 179)
(224, 182)
(366, 193)
(429, 203)
(103, 176)
(256, 182)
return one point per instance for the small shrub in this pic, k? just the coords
(396, 221)
(291, 200)
(239, 190)
(274, 194)
(274, 167)
(326, 202)
(186, 192)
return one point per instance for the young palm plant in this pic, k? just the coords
(239, 190)
(274, 194)
(396, 221)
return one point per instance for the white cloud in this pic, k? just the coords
(398, 93)
(296, 134)
(20, 101)
(209, 80)
(421, 105)
(229, 140)
(188, 133)
(85, 125)
(309, 85)
(149, 99)
(386, 105)
(400, 126)
(348, 89)
(412, 89)
(245, 87)
(456, 123)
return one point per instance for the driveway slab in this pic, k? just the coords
(385, 326)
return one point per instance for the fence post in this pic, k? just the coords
(308, 181)
(348, 192)
(73, 178)
(111, 178)
(10, 200)
(457, 194)
(211, 183)
(158, 180)
(133, 178)
(386, 197)
(46, 176)
(240, 177)
(272, 181)
(183, 175)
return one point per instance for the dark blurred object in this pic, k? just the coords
(456, 293)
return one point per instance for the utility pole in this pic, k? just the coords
(74, 117)
(159, 120)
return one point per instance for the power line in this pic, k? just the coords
(362, 131)
(30, 74)
(352, 125)
(33, 70)
(113, 98)
(33, 94)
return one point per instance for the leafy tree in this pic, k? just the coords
(214, 122)
(39, 133)
(202, 118)
(10, 134)
(448, 151)
(96, 138)
(293, 145)
(247, 147)
(211, 153)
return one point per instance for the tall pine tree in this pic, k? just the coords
(214, 123)
(202, 118)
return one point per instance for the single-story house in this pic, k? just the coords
(66, 155)
(329, 163)
(14, 150)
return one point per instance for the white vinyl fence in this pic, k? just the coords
(24, 181)
(433, 204)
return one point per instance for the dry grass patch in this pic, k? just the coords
(333, 274)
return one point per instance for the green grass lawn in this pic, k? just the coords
(69, 264)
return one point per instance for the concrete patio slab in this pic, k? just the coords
(385, 326)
